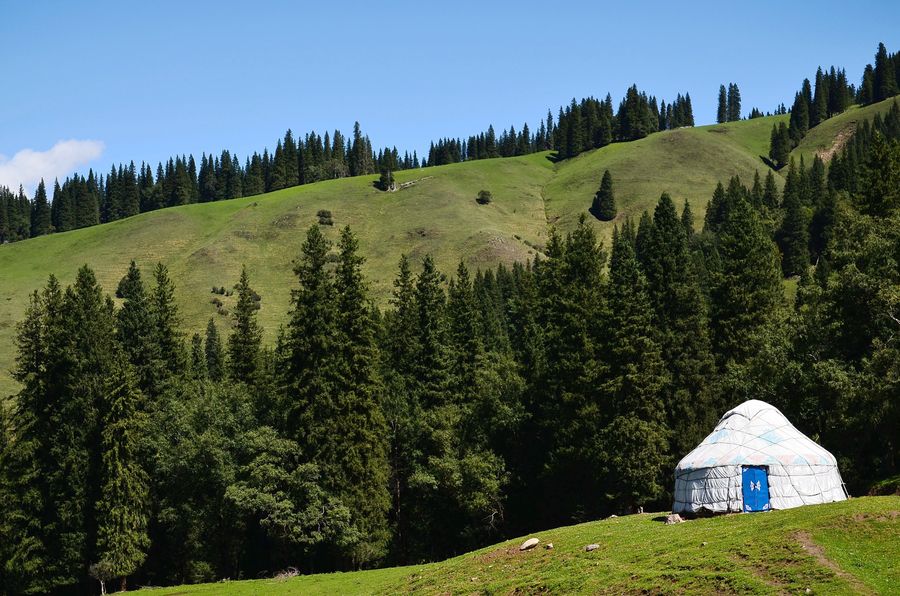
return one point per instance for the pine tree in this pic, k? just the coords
(568, 409)
(28, 545)
(687, 220)
(636, 380)
(820, 100)
(215, 354)
(166, 321)
(715, 210)
(198, 358)
(722, 111)
(734, 103)
(40, 212)
(885, 81)
(604, 207)
(359, 472)
(136, 331)
(680, 321)
(245, 340)
(867, 87)
(310, 340)
(770, 192)
(799, 122)
(747, 291)
(123, 506)
(780, 145)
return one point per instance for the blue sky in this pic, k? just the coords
(120, 81)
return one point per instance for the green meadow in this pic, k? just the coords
(840, 548)
(205, 245)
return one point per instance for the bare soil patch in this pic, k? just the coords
(809, 545)
(839, 141)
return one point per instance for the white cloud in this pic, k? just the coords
(27, 166)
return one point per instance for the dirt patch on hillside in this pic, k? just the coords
(883, 517)
(286, 221)
(840, 140)
(807, 543)
(498, 554)
(422, 233)
(497, 248)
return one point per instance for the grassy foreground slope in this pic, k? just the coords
(841, 548)
(204, 245)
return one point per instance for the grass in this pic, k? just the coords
(687, 163)
(840, 548)
(834, 132)
(205, 245)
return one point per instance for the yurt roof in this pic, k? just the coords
(755, 433)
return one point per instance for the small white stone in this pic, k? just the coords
(591, 547)
(529, 544)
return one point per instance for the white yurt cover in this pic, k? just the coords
(800, 472)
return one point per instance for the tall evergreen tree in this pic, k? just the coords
(245, 341)
(167, 333)
(123, 507)
(636, 380)
(680, 322)
(734, 103)
(722, 111)
(604, 207)
(215, 354)
(40, 212)
(360, 444)
(137, 333)
(747, 292)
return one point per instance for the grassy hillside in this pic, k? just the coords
(841, 548)
(830, 136)
(205, 245)
(687, 163)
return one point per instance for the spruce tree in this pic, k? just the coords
(123, 507)
(680, 321)
(311, 339)
(885, 81)
(198, 358)
(40, 212)
(568, 409)
(136, 331)
(747, 292)
(722, 111)
(687, 220)
(734, 103)
(799, 121)
(359, 446)
(604, 207)
(246, 335)
(28, 542)
(820, 100)
(770, 192)
(636, 381)
(166, 322)
(215, 353)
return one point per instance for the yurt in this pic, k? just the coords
(755, 460)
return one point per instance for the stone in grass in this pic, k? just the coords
(591, 547)
(529, 544)
(673, 519)
(549, 546)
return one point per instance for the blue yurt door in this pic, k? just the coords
(755, 481)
